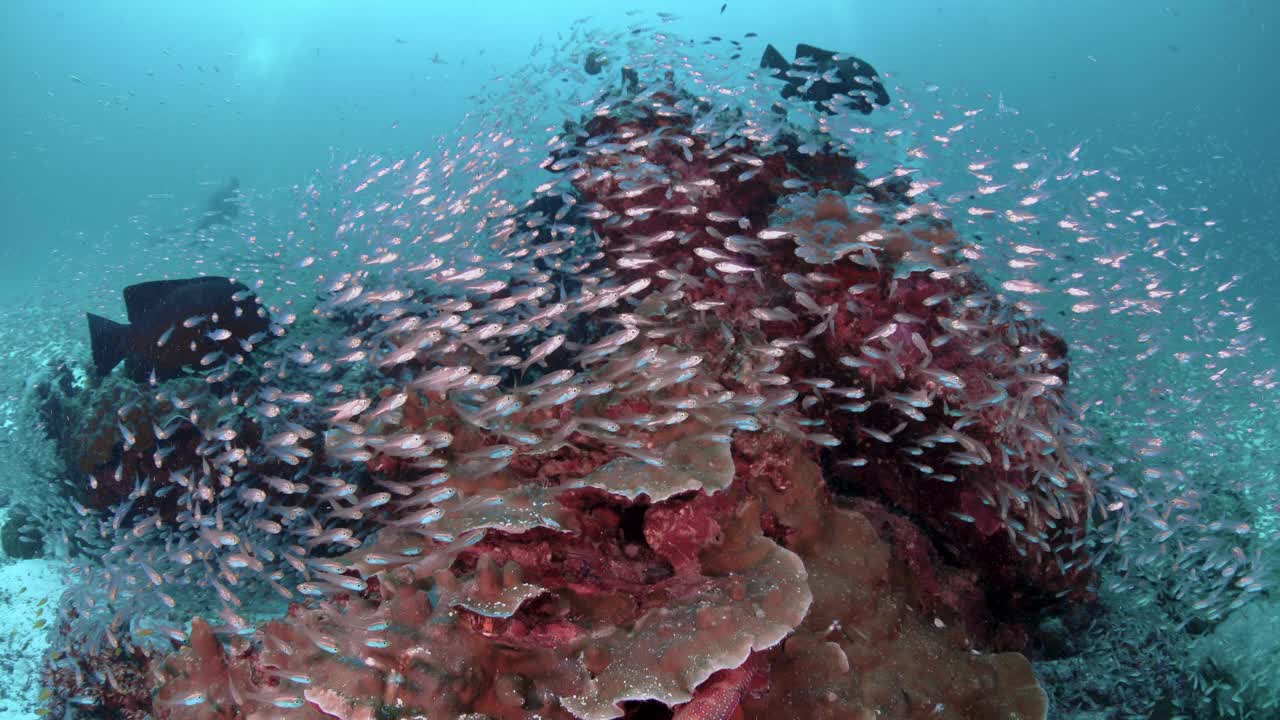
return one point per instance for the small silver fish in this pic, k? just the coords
(542, 350)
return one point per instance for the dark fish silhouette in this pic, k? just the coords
(827, 79)
(223, 206)
(595, 62)
(177, 323)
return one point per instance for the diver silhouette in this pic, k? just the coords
(223, 206)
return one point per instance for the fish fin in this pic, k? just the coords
(142, 299)
(110, 342)
(773, 60)
(817, 54)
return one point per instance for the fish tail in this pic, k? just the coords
(109, 340)
(773, 59)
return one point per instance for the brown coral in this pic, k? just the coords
(861, 650)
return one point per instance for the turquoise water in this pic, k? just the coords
(372, 139)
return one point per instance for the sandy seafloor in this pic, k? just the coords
(22, 646)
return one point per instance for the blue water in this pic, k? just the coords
(295, 79)
(121, 118)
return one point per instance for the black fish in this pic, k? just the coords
(221, 312)
(722, 7)
(223, 206)
(595, 62)
(851, 77)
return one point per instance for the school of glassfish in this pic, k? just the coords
(678, 435)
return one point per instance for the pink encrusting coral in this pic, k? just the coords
(947, 403)
(553, 607)
(603, 471)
